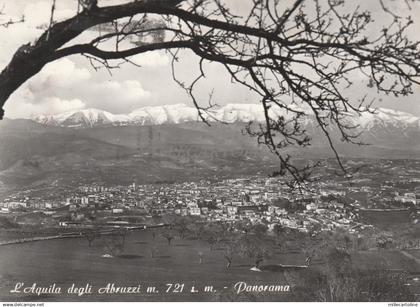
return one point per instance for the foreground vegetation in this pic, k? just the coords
(318, 265)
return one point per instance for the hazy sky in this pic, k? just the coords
(71, 83)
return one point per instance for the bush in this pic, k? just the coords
(6, 223)
(378, 285)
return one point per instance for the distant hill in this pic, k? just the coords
(391, 133)
(32, 154)
(168, 145)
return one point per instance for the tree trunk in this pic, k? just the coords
(229, 262)
(29, 60)
(25, 64)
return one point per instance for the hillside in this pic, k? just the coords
(34, 154)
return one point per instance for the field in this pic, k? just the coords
(69, 261)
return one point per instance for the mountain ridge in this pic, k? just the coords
(36, 154)
(230, 113)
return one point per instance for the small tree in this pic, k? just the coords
(213, 233)
(91, 235)
(195, 229)
(169, 220)
(230, 249)
(122, 233)
(211, 238)
(309, 250)
(153, 251)
(168, 234)
(113, 245)
(255, 248)
(181, 225)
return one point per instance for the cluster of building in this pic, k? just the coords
(325, 205)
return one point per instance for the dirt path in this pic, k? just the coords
(34, 239)
(407, 254)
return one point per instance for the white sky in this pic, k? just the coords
(71, 83)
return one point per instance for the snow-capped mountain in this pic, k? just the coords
(163, 143)
(83, 118)
(168, 114)
(388, 117)
(152, 115)
(231, 113)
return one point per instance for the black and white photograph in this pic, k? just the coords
(209, 151)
